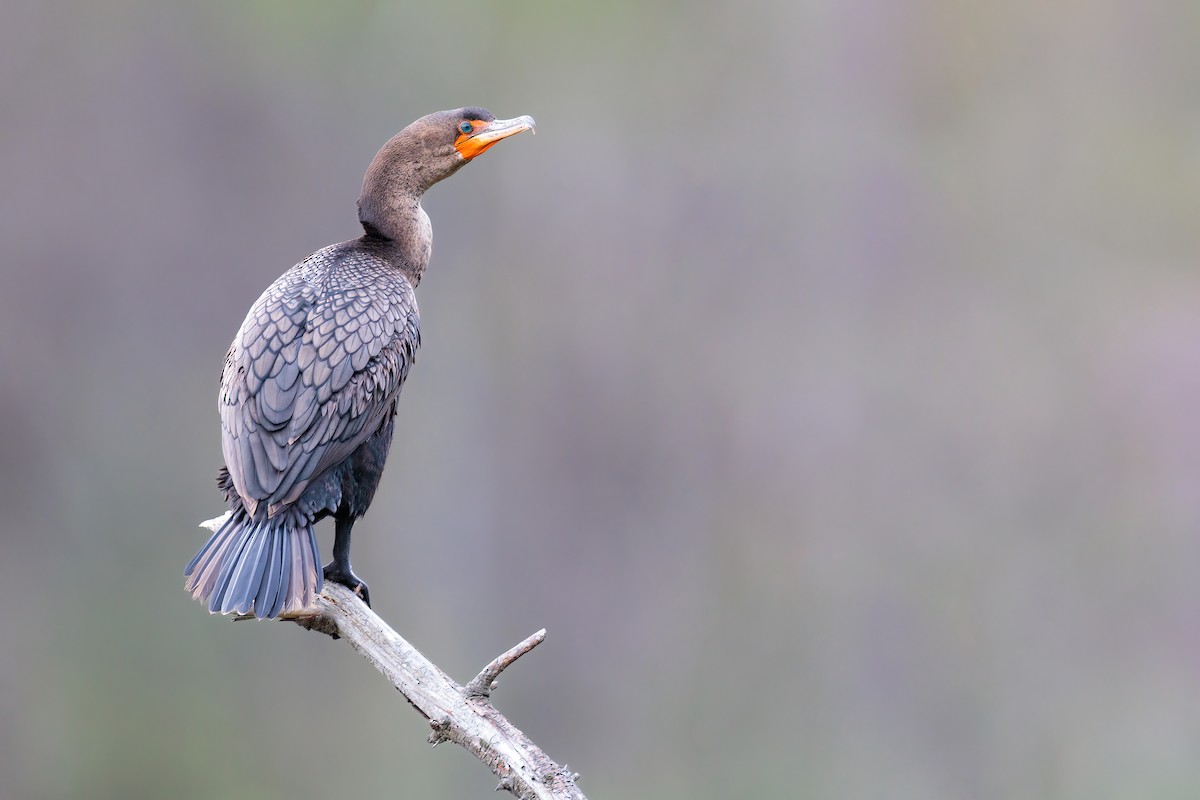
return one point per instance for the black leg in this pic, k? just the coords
(339, 570)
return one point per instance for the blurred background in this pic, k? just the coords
(824, 376)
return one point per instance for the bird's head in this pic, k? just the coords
(435, 147)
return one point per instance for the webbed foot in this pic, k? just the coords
(348, 579)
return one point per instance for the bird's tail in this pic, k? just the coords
(267, 566)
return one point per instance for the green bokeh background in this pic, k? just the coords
(824, 376)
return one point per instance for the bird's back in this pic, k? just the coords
(314, 369)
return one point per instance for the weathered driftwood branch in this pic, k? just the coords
(463, 715)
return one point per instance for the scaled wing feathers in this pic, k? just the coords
(314, 371)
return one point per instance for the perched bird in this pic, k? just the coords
(310, 383)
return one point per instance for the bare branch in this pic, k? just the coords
(483, 683)
(461, 715)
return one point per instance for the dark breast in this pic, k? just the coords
(314, 370)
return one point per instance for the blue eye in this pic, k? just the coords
(465, 126)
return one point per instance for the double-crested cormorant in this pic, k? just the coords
(309, 387)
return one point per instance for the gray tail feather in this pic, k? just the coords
(266, 567)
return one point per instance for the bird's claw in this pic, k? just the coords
(348, 579)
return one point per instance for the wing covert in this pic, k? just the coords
(313, 372)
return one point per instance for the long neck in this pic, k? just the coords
(390, 204)
(404, 231)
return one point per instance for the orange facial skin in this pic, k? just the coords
(485, 134)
